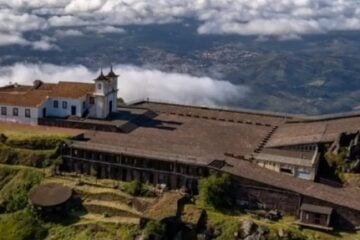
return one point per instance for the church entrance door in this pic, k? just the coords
(110, 107)
(73, 110)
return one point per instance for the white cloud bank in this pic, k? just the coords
(287, 19)
(135, 83)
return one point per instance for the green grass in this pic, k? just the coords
(27, 157)
(35, 142)
(19, 131)
(229, 223)
(136, 188)
(15, 183)
(35, 151)
(21, 225)
(92, 231)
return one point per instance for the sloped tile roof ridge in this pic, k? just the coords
(326, 117)
(219, 108)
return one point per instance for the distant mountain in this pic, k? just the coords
(317, 74)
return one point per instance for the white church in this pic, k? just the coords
(27, 104)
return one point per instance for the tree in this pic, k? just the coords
(215, 191)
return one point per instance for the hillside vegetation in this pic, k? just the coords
(110, 209)
(36, 147)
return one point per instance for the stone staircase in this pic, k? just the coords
(261, 146)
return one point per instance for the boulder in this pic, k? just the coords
(248, 227)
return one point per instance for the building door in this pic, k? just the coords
(73, 110)
(44, 112)
(110, 107)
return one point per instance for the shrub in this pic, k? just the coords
(136, 188)
(18, 200)
(215, 191)
(15, 185)
(155, 230)
(32, 158)
(35, 143)
(22, 225)
(128, 232)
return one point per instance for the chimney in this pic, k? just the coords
(37, 83)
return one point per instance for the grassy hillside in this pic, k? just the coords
(107, 211)
(33, 146)
(21, 225)
(15, 183)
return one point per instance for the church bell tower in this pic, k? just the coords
(105, 94)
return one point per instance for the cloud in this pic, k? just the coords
(105, 29)
(286, 19)
(67, 33)
(136, 83)
(9, 39)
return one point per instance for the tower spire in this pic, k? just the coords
(112, 74)
(101, 77)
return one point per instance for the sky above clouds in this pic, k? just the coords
(283, 18)
(135, 83)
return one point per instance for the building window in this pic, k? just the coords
(64, 105)
(92, 100)
(3, 111)
(15, 112)
(27, 113)
(99, 86)
(286, 170)
(56, 104)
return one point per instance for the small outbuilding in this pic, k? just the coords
(50, 199)
(314, 216)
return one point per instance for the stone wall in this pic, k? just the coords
(264, 197)
(65, 123)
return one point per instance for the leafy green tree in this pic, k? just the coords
(215, 191)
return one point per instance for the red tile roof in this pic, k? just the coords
(29, 96)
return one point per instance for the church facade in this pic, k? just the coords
(28, 104)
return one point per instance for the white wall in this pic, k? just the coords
(51, 111)
(105, 88)
(101, 108)
(103, 97)
(34, 113)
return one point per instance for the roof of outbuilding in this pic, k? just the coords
(50, 195)
(316, 209)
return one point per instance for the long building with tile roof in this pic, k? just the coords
(175, 145)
